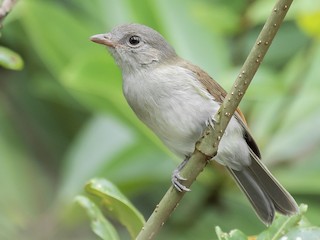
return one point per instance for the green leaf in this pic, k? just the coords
(117, 205)
(232, 235)
(10, 59)
(99, 224)
(283, 228)
(283, 225)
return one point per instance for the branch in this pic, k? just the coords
(207, 146)
(5, 8)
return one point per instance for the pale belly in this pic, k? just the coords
(180, 123)
(178, 115)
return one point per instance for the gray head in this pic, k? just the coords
(136, 47)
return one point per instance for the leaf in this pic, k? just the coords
(10, 59)
(99, 225)
(232, 235)
(283, 225)
(117, 204)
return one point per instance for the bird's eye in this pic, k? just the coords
(134, 40)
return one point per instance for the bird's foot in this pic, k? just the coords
(176, 178)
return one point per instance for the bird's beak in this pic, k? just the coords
(104, 39)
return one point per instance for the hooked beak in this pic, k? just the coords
(104, 39)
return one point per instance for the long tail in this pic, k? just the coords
(264, 192)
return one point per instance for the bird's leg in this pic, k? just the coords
(176, 178)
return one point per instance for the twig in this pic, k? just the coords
(207, 147)
(5, 8)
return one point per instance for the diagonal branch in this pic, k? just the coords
(207, 147)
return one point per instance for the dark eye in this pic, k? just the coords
(134, 40)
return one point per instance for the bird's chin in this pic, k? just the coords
(112, 51)
(116, 56)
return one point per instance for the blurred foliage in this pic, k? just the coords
(117, 205)
(293, 227)
(100, 226)
(63, 119)
(10, 59)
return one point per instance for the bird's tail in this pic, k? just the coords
(264, 192)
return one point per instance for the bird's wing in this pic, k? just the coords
(219, 94)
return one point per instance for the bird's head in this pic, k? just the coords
(136, 46)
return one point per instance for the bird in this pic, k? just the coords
(177, 100)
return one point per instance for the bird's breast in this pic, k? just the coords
(172, 103)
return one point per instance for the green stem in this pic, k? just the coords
(207, 146)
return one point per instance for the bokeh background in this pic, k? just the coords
(63, 119)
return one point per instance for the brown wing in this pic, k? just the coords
(210, 85)
(219, 94)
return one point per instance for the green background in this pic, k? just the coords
(63, 119)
